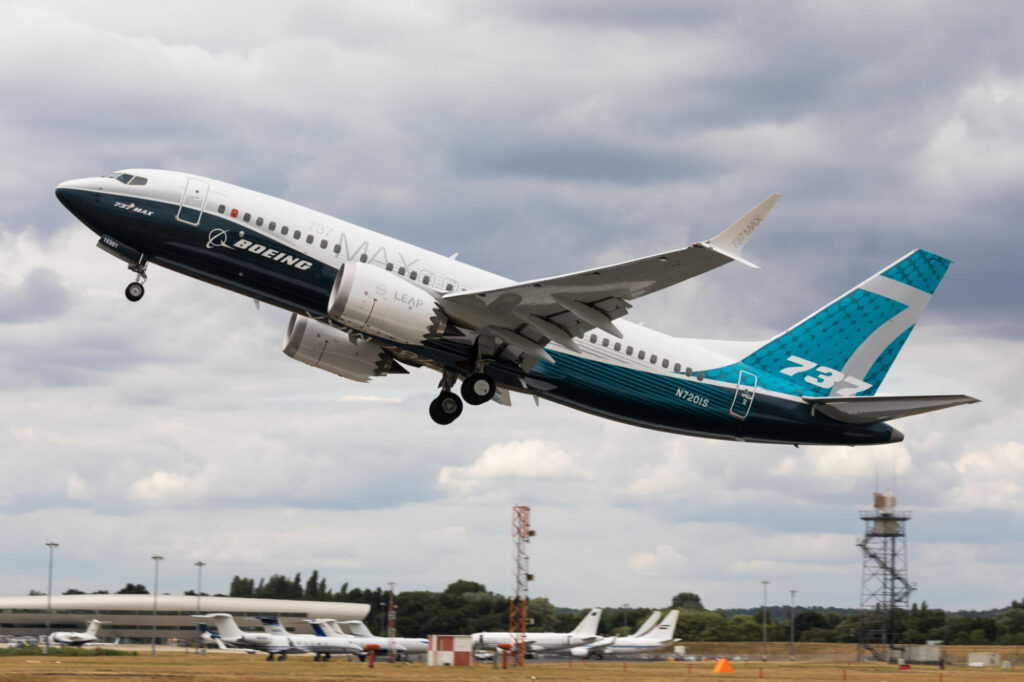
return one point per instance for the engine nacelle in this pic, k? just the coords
(322, 346)
(378, 302)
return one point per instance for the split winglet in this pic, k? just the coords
(731, 241)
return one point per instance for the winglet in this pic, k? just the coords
(731, 241)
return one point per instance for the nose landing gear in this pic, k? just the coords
(135, 291)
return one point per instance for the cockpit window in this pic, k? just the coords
(138, 180)
(123, 177)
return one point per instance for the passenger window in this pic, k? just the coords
(246, 217)
(323, 243)
(401, 271)
(604, 342)
(273, 226)
(640, 355)
(654, 359)
(618, 346)
(426, 279)
(412, 275)
(677, 368)
(362, 258)
(448, 287)
(593, 338)
(220, 209)
(664, 363)
(689, 371)
(284, 230)
(298, 234)
(309, 239)
(259, 222)
(700, 376)
(337, 249)
(629, 350)
(389, 267)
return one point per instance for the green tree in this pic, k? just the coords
(133, 589)
(688, 601)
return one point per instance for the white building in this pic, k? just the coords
(130, 616)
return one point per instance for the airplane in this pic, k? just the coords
(322, 645)
(357, 630)
(654, 640)
(537, 642)
(647, 625)
(88, 636)
(231, 635)
(365, 305)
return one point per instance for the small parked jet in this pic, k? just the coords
(357, 630)
(365, 305)
(654, 640)
(321, 645)
(77, 638)
(536, 642)
(230, 634)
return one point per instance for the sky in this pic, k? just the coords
(534, 138)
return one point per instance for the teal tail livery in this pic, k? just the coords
(365, 305)
(847, 347)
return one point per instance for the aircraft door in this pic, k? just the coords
(193, 201)
(746, 388)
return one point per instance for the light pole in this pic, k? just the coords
(156, 590)
(625, 607)
(792, 621)
(199, 586)
(49, 589)
(764, 622)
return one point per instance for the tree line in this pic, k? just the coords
(465, 606)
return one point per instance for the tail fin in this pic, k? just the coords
(666, 629)
(94, 627)
(847, 347)
(588, 626)
(226, 625)
(356, 628)
(648, 624)
(272, 625)
(318, 627)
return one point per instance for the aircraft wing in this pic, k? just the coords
(526, 315)
(875, 409)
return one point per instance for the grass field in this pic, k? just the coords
(179, 665)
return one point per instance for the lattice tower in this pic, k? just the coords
(392, 623)
(517, 605)
(885, 590)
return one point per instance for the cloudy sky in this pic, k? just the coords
(534, 138)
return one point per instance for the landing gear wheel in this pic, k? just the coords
(445, 408)
(134, 291)
(282, 656)
(477, 388)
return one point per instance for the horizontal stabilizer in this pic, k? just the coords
(875, 409)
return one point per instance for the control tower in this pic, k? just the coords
(885, 589)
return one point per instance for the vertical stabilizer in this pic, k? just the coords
(648, 624)
(93, 628)
(666, 629)
(588, 626)
(227, 628)
(847, 347)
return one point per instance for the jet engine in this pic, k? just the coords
(322, 346)
(381, 303)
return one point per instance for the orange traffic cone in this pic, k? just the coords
(722, 666)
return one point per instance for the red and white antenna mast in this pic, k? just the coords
(392, 617)
(517, 605)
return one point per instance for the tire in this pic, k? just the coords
(134, 291)
(445, 408)
(477, 388)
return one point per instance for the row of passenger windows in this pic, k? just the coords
(640, 355)
(297, 234)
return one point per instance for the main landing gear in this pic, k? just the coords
(476, 389)
(135, 291)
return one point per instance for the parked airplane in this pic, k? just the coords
(356, 629)
(657, 638)
(584, 633)
(230, 634)
(363, 304)
(648, 624)
(320, 645)
(88, 636)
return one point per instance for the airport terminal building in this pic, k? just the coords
(130, 617)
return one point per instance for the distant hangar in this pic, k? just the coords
(130, 616)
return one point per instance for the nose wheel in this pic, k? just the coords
(134, 291)
(445, 408)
